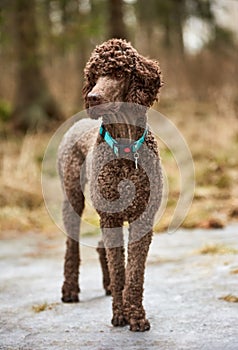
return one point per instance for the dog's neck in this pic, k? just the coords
(125, 125)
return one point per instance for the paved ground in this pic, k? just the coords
(183, 288)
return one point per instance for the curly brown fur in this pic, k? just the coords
(117, 58)
(114, 73)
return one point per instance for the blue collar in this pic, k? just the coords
(122, 149)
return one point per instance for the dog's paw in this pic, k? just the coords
(119, 320)
(108, 290)
(139, 325)
(71, 297)
(70, 294)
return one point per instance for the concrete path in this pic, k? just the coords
(182, 295)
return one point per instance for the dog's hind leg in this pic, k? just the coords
(73, 186)
(71, 220)
(104, 266)
(73, 168)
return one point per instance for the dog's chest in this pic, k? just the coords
(117, 186)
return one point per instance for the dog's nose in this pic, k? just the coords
(94, 98)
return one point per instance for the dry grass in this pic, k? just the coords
(211, 131)
(212, 139)
(215, 249)
(230, 298)
(21, 199)
(43, 307)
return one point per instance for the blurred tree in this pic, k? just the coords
(62, 33)
(170, 16)
(200, 8)
(34, 106)
(74, 27)
(116, 24)
(147, 18)
(222, 40)
(174, 19)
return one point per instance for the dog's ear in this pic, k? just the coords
(89, 83)
(89, 79)
(86, 89)
(146, 81)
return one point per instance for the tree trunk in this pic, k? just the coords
(167, 31)
(34, 106)
(178, 18)
(173, 18)
(117, 28)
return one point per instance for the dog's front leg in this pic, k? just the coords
(113, 242)
(133, 292)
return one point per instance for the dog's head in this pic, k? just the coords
(116, 72)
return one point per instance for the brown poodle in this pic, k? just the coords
(123, 170)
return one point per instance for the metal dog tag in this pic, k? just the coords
(136, 156)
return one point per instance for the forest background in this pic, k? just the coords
(44, 45)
